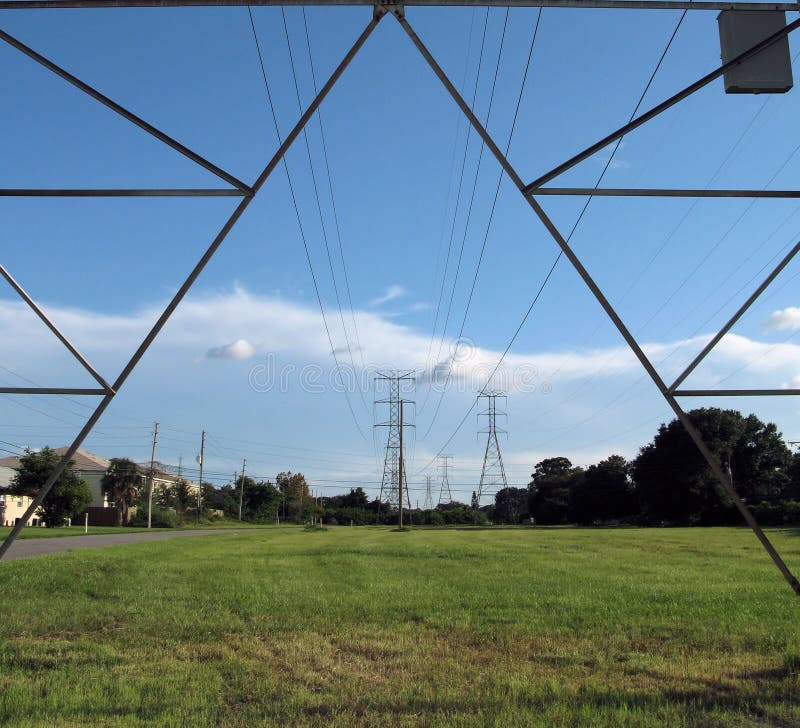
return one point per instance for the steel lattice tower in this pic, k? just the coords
(390, 482)
(445, 487)
(428, 494)
(493, 473)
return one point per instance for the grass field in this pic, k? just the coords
(369, 626)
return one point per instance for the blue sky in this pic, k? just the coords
(676, 269)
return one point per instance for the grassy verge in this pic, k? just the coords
(354, 627)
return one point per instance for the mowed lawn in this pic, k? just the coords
(370, 626)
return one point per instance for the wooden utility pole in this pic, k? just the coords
(150, 479)
(241, 489)
(401, 466)
(200, 462)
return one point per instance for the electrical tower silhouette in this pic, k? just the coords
(428, 495)
(394, 459)
(445, 488)
(493, 474)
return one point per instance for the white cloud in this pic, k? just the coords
(293, 332)
(787, 319)
(393, 292)
(239, 349)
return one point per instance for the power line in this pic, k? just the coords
(459, 121)
(299, 221)
(572, 231)
(330, 188)
(455, 218)
(317, 197)
(494, 204)
(466, 226)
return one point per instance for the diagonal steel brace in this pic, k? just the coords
(693, 432)
(187, 284)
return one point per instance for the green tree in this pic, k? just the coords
(676, 484)
(121, 484)
(792, 490)
(549, 490)
(182, 495)
(68, 496)
(605, 493)
(296, 498)
(261, 502)
(511, 505)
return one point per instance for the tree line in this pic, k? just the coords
(668, 482)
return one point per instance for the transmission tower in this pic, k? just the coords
(493, 474)
(394, 459)
(445, 488)
(428, 494)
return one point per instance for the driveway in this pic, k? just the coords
(23, 548)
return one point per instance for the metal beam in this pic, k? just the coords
(592, 4)
(122, 111)
(660, 108)
(22, 293)
(728, 326)
(187, 284)
(51, 390)
(734, 392)
(693, 432)
(651, 192)
(122, 193)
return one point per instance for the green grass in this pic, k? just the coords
(370, 626)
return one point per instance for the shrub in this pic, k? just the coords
(160, 518)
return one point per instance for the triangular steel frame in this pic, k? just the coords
(528, 191)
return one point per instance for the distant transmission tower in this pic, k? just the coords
(493, 474)
(428, 495)
(394, 459)
(445, 495)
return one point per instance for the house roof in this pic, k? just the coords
(6, 474)
(84, 460)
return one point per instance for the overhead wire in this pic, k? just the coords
(572, 232)
(330, 189)
(474, 183)
(430, 375)
(316, 193)
(299, 220)
(451, 176)
(494, 204)
(454, 353)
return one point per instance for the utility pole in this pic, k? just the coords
(200, 458)
(443, 459)
(241, 490)
(150, 479)
(180, 465)
(394, 465)
(493, 473)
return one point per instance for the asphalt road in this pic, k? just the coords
(23, 548)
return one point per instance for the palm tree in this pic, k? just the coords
(121, 485)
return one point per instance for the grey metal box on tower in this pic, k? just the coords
(767, 72)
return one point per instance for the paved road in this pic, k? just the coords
(23, 548)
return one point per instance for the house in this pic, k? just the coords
(91, 468)
(87, 466)
(12, 507)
